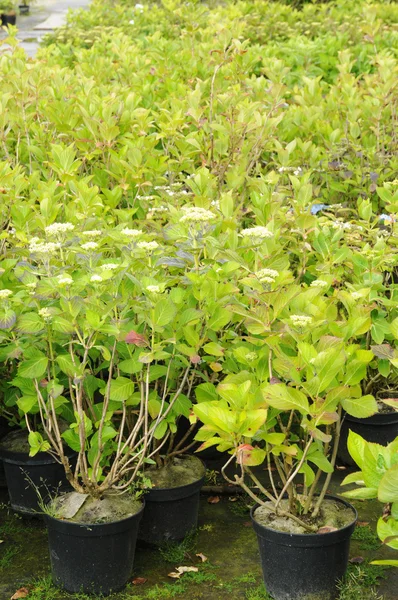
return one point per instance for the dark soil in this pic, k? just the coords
(179, 472)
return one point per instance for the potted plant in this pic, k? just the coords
(24, 8)
(8, 13)
(377, 478)
(289, 414)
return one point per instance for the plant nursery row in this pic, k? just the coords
(198, 257)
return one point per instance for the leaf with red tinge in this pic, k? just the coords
(181, 570)
(202, 557)
(356, 560)
(213, 499)
(138, 339)
(21, 593)
(139, 580)
(195, 359)
(327, 529)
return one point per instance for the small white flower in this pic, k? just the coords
(264, 275)
(139, 7)
(131, 232)
(300, 320)
(215, 203)
(251, 356)
(109, 266)
(131, 22)
(148, 245)
(90, 246)
(46, 314)
(196, 214)
(93, 233)
(57, 228)
(257, 232)
(95, 278)
(65, 280)
(319, 283)
(31, 285)
(154, 289)
(5, 293)
(356, 295)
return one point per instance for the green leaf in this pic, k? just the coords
(26, 403)
(130, 366)
(121, 389)
(361, 494)
(205, 392)
(160, 430)
(7, 318)
(30, 323)
(362, 407)
(67, 366)
(213, 349)
(34, 368)
(356, 477)
(283, 397)
(385, 563)
(356, 447)
(62, 325)
(388, 487)
(220, 318)
(386, 530)
(164, 312)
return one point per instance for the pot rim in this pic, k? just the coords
(180, 487)
(308, 536)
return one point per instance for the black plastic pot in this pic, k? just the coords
(8, 19)
(47, 475)
(170, 513)
(24, 9)
(94, 559)
(381, 428)
(303, 566)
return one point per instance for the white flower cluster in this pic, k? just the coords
(65, 280)
(251, 356)
(93, 233)
(195, 214)
(90, 246)
(297, 172)
(131, 232)
(5, 293)
(319, 283)
(300, 320)
(267, 275)
(95, 278)
(46, 314)
(57, 228)
(37, 246)
(257, 232)
(109, 266)
(154, 289)
(147, 245)
(341, 225)
(156, 210)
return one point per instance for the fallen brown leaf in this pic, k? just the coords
(213, 499)
(139, 580)
(356, 560)
(181, 570)
(247, 524)
(362, 523)
(21, 593)
(341, 467)
(233, 499)
(327, 529)
(202, 557)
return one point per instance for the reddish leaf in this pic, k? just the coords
(362, 523)
(213, 499)
(139, 580)
(21, 593)
(357, 560)
(138, 339)
(195, 359)
(247, 524)
(327, 529)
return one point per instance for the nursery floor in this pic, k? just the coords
(225, 538)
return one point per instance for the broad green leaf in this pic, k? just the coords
(388, 487)
(68, 366)
(219, 319)
(160, 430)
(121, 389)
(388, 529)
(7, 318)
(205, 392)
(34, 368)
(363, 407)
(361, 493)
(164, 312)
(356, 477)
(30, 323)
(356, 447)
(283, 397)
(26, 403)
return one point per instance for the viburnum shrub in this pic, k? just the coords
(118, 322)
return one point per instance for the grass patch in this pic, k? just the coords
(367, 537)
(176, 552)
(258, 593)
(7, 555)
(359, 583)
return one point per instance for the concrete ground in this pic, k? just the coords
(44, 17)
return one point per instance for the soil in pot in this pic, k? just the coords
(298, 565)
(92, 541)
(172, 505)
(27, 475)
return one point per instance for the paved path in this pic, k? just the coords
(44, 16)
